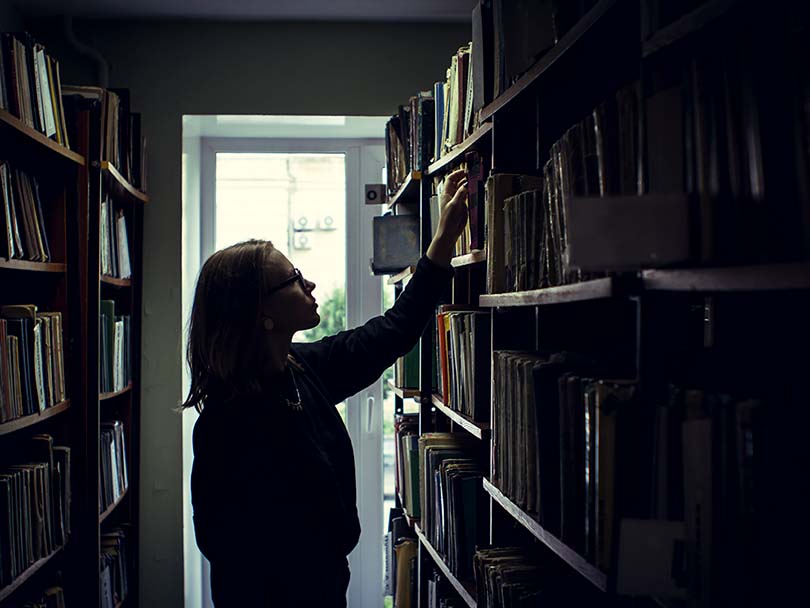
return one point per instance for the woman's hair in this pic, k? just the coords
(223, 351)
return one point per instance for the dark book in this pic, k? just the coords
(395, 243)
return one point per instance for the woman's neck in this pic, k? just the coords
(278, 347)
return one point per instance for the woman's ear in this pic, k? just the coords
(269, 324)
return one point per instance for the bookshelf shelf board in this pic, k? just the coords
(18, 582)
(20, 136)
(770, 277)
(408, 192)
(476, 141)
(53, 267)
(542, 65)
(401, 276)
(465, 590)
(119, 187)
(576, 292)
(115, 282)
(690, 23)
(31, 419)
(477, 429)
(112, 507)
(568, 555)
(403, 393)
(104, 396)
(476, 256)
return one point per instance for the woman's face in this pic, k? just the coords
(288, 302)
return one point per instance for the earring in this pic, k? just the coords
(268, 324)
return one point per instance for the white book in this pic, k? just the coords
(38, 90)
(39, 376)
(104, 239)
(45, 94)
(124, 269)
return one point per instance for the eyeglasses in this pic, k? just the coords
(296, 276)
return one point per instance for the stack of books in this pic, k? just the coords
(115, 372)
(113, 575)
(30, 87)
(115, 259)
(464, 356)
(34, 506)
(113, 478)
(406, 457)
(452, 499)
(32, 363)
(409, 140)
(22, 223)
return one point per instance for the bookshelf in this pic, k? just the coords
(721, 326)
(408, 192)
(54, 173)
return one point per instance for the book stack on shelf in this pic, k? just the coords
(30, 86)
(114, 584)
(32, 363)
(24, 235)
(113, 478)
(406, 458)
(646, 239)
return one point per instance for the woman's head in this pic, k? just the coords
(247, 295)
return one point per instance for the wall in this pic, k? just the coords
(174, 68)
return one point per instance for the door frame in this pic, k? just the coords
(364, 161)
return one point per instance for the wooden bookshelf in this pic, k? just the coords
(480, 430)
(765, 277)
(687, 25)
(408, 192)
(31, 143)
(119, 187)
(568, 555)
(32, 419)
(29, 266)
(401, 276)
(476, 256)
(114, 394)
(577, 292)
(29, 572)
(106, 513)
(478, 140)
(116, 282)
(403, 393)
(574, 37)
(465, 590)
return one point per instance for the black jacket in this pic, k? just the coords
(273, 489)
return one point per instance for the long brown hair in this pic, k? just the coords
(223, 351)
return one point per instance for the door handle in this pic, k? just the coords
(369, 413)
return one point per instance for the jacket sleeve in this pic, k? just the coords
(351, 360)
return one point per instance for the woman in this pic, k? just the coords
(272, 484)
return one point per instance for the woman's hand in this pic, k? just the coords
(452, 220)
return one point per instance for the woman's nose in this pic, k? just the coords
(310, 285)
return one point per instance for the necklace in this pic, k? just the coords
(296, 405)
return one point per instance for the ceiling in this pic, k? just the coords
(320, 10)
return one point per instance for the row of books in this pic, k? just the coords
(716, 129)
(115, 362)
(406, 594)
(406, 458)
(406, 370)
(113, 480)
(52, 597)
(455, 118)
(464, 360)
(113, 568)
(409, 139)
(122, 141)
(453, 513)
(399, 530)
(513, 577)
(23, 234)
(32, 362)
(527, 216)
(115, 260)
(30, 86)
(34, 506)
